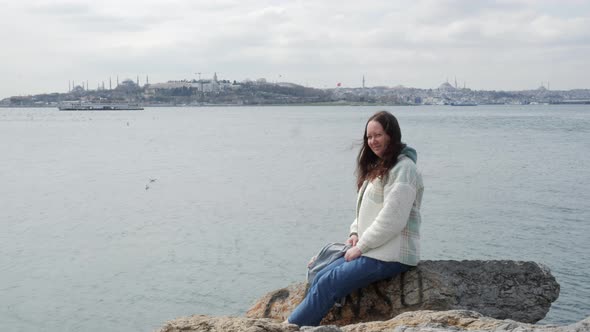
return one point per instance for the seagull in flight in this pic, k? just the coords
(150, 181)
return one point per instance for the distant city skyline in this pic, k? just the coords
(487, 45)
(110, 85)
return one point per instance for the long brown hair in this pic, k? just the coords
(369, 165)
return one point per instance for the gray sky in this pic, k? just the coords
(492, 45)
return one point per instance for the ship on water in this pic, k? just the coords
(98, 107)
(463, 103)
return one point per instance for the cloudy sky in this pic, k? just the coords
(492, 45)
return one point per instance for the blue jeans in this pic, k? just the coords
(336, 281)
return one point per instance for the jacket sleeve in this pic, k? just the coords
(353, 227)
(399, 196)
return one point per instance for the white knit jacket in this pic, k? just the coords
(388, 215)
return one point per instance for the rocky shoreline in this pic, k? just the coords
(435, 296)
(414, 321)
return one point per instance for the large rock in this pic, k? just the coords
(417, 321)
(521, 291)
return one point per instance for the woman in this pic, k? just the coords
(385, 234)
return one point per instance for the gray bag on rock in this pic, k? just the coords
(327, 255)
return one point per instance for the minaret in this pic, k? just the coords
(137, 80)
(117, 81)
(147, 80)
(215, 77)
(69, 85)
(110, 84)
(363, 81)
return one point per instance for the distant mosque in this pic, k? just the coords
(446, 86)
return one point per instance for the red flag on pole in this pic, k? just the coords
(339, 84)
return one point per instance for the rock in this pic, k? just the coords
(204, 323)
(416, 321)
(457, 320)
(521, 291)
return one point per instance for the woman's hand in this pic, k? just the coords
(352, 254)
(352, 240)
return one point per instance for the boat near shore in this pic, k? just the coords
(98, 107)
(463, 103)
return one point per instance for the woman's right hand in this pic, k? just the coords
(352, 240)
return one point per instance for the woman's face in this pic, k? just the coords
(377, 138)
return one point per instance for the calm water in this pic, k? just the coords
(243, 197)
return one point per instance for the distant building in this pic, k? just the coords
(446, 86)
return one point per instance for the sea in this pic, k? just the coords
(122, 220)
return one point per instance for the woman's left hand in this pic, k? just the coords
(352, 254)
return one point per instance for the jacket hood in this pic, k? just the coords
(410, 153)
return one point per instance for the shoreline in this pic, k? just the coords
(309, 105)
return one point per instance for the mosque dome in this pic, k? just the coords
(446, 86)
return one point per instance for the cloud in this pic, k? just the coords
(77, 17)
(415, 43)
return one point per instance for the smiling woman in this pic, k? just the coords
(384, 237)
(377, 138)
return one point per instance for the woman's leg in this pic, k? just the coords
(338, 282)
